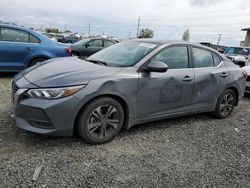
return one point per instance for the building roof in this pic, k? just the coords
(245, 29)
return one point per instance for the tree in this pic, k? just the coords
(146, 33)
(186, 35)
(52, 30)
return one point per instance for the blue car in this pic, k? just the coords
(21, 48)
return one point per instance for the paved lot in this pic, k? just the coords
(193, 151)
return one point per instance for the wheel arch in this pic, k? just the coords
(235, 90)
(38, 57)
(121, 100)
(75, 52)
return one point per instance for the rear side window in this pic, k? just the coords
(14, 35)
(174, 57)
(33, 39)
(202, 58)
(217, 60)
(96, 43)
(107, 43)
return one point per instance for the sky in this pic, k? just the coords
(205, 19)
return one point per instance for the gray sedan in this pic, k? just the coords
(126, 84)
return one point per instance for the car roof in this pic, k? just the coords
(169, 42)
(99, 38)
(239, 47)
(15, 27)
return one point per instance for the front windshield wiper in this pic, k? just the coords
(97, 62)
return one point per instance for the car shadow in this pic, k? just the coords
(7, 74)
(247, 95)
(42, 141)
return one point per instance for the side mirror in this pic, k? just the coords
(87, 45)
(156, 66)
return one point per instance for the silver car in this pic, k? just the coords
(126, 84)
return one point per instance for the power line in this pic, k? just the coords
(181, 13)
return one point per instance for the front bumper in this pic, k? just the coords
(48, 117)
(247, 90)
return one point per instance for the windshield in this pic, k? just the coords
(123, 54)
(238, 51)
(82, 41)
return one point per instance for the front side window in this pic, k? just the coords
(202, 58)
(95, 43)
(13, 35)
(174, 57)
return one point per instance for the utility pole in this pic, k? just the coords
(64, 27)
(129, 34)
(138, 27)
(89, 28)
(218, 40)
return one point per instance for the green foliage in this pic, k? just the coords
(186, 35)
(52, 30)
(146, 33)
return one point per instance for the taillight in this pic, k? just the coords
(244, 74)
(68, 50)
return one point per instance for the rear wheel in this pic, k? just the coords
(225, 104)
(101, 120)
(38, 60)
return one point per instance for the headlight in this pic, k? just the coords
(54, 93)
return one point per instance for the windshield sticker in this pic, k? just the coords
(147, 45)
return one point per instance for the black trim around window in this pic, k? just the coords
(29, 34)
(208, 50)
(190, 64)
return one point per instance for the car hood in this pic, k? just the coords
(237, 57)
(68, 71)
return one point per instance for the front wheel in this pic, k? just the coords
(225, 104)
(101, 120)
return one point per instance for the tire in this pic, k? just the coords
(100, 121)
(74, 53)
(225, 104)
(38, 60)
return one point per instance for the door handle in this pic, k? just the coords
(224, 75)
(187, 79)
(29, 48)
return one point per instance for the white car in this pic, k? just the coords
(239, 55)
(247, 69)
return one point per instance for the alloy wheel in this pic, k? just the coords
(103, 121)
(226, 104)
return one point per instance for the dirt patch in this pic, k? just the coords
(193, 151)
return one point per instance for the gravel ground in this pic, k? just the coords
(193, 151)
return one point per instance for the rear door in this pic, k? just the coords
(15, 48)
(210, 77)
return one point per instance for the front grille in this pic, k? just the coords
(248, 79)
(248, 89)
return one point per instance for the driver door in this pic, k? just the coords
(93, 46)
(170, 92)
